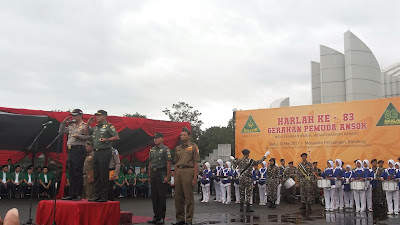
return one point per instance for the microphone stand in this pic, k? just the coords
(35, 180)
(55, 177)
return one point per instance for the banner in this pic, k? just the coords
(348, 131)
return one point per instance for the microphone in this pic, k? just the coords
(47, 123)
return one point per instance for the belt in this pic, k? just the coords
(73, 146)
(159, 169)
(184, 167)
(101, 149)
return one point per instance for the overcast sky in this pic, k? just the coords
(143, 56)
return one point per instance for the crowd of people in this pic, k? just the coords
(337, 187)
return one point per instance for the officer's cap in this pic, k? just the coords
(272, 159)
(101, 113)
(381, 161)
(245, 151)
(158, 135)
(303, 154)
(76, 112)
(89, 143)
(291, 162)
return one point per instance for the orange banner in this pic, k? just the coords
(348, 131)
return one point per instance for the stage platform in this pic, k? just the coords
(78, 212)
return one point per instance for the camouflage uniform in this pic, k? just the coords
(378, 195)
(272, 182)
(290, 172)
(245, 181)
(284, 191)
(317, 191)
(305, 179)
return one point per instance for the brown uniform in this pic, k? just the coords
(185, 158)
(89, 176)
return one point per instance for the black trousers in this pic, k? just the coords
(101, 165)
(131, 190)
(158, 195)
(16, 190)
(77, 155)
(5, 189)
(44, 190)
(30, 189)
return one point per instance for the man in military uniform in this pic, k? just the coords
(159, 173)
(186, 160)
(245, 166)
(76, 152)
(290, 172)
(381, 193)
(88, 171)
(272, 182)
(305, 171)
(103, 135)
(282, 192)
(376, 185)
(317, 173)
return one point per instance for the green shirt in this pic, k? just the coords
(7, 175)
(103, 130)
(121, 178)
(141, 176)
(20, 176)
(130, 178)
(49, 177)
(158, 156)
(26, 177)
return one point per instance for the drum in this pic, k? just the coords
(289, 183)
(324, 183)
(389, 185)
(338, 183)
(358, 185)
(347, 181)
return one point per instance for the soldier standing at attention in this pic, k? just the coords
(159, 174)
(245, 166)
(305, 171)
(272, 182)
(186, 169)
(76, 152)
(103, 135)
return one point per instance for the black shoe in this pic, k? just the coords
(101, 200)
(68, 198)
(77, 198)
(273, 206)
(241, 207)
(309, 207)
(160, 221)
(179, 223)
(249, 209)
(154, 220)
(303, 206)
(93, 199)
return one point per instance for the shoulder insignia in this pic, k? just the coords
(112, 128)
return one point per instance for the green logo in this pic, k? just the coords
(390, 117)
(250, 126)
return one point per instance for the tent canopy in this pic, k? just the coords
(18, 128)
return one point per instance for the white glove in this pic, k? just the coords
(233, 158)
(266, 154)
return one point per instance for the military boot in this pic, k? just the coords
(241, 207)
(303, 206)
(309, 207)
(248, 208)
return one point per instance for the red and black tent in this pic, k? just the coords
(18, 128)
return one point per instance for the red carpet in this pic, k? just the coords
(142, 219)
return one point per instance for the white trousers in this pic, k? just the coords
(278, 194)
(359, 200)
(338, 198)
(348, 199)
(392, 199)
(217, 190)
(206, 192)
(226, 193)
(262, 189)
(237, 193)
(368, 196)
(328, 196)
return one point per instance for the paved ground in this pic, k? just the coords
(216, 213)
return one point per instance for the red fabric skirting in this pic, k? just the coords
(78, 212)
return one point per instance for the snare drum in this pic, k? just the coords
(358, 185)
(289, 183)
(389, 185)
(347, 181)
(338, 183)
(324, 183)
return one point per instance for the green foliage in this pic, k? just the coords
(213, 136)
(136, 114)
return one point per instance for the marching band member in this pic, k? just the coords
(273, 182)
(338, 192)
(226, 183)
(328, 192)
(290, 172)
(369, 175)
(305, 170)
(235, 175)
(254, 178)
(205, 182)
(262, 183)
(392, 197)
(348, 194)
(217, 181)
(359, 195)
(281, 192)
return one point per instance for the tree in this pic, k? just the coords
(136, 114)
(183, 112)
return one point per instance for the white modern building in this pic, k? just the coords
(354, 75)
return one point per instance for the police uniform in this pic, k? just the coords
(290, 172)
(76, 156)
(89, 175)
(272, 182)
(159, 157)
(102, 157)
(186, 155)
(304, 176)
(245, 166)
